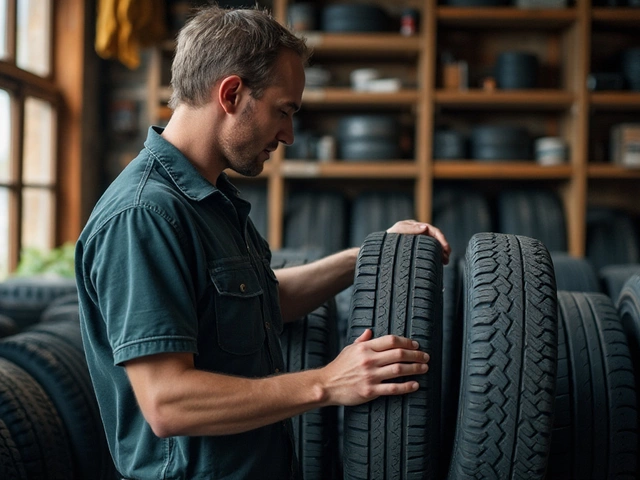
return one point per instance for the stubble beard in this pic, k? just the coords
(241, 156)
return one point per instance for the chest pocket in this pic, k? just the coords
(238, 309)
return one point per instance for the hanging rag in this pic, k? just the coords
(124, 26)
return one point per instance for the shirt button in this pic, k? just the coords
(243, 287)
(277, 370)
(267, 325)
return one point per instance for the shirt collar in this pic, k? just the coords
(184, 175)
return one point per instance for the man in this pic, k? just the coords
(180, 310)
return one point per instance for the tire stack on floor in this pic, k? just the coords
(50, 426)
(547, 387)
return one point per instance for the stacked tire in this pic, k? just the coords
(50, 426)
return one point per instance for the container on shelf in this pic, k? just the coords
(551, 150)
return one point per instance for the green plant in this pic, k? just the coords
(57, 261)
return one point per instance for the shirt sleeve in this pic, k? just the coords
(143, 284)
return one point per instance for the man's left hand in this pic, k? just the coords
(411, 227)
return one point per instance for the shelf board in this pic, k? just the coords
(511, 170)
(506, 17)
(616, 16)
(377, 44)
(505, 99)
(609, 171)
(334, 97)
(615, 100)
(397, 169)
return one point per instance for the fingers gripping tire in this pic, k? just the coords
(397, 290)
(509, 353)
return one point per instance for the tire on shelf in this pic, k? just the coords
(62, 372)
(574, 274)
(509, 352)
(595, 429)
(628, 305)
(397, 290)
(311, 342)
(34, 425)
(614, 277)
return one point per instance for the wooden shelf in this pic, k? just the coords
(615, 172)
(505, 99)
(506, 17)
(335, 97)
(502, 170)
(367, 44)
(616, 17)
(615, 100)
(397, 169)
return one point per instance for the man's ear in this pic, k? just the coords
(230, 93)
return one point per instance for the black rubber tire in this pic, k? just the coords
(612, 238)
(628, 306)
(34, 425)
(312, 342)
(25, 298)
(574, 274)
(306, 344)
(68, 330)
(614, 277)
(452, 321)
(397, 290)
(61, 313)
(62, 372)
(11, 467)
(377, 211)
(307, 217)
(8, 326)
(510, 346)
(533, 213)
(595, 431)
(460, 214)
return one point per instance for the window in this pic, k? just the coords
(28, 138)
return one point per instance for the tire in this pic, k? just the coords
(509, 353)
(460, 214)
(11, 467)
(8, 326)
(306, 344)
(574, 274)
(452, 321)
(312, 342)
(377, 211)
(63, 374)
(595, 431)
(397, 290)
(628, 306)
(34, 425)
(614, 277)
(25, 298)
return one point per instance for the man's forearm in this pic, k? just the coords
(306, 287)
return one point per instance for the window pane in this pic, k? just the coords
(33, 36)
(4, 232)
(5, 135)
(37, 218)
(38, 154)
(3, 29)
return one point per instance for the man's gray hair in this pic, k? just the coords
(219, 42)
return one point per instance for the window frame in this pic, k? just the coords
(64, 89)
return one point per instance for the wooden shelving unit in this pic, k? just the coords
(564, 40)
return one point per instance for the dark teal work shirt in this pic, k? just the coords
(169, 262)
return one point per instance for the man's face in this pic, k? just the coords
(263, 123)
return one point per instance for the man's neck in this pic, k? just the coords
(192, 131)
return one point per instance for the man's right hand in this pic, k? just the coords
(359, 372)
